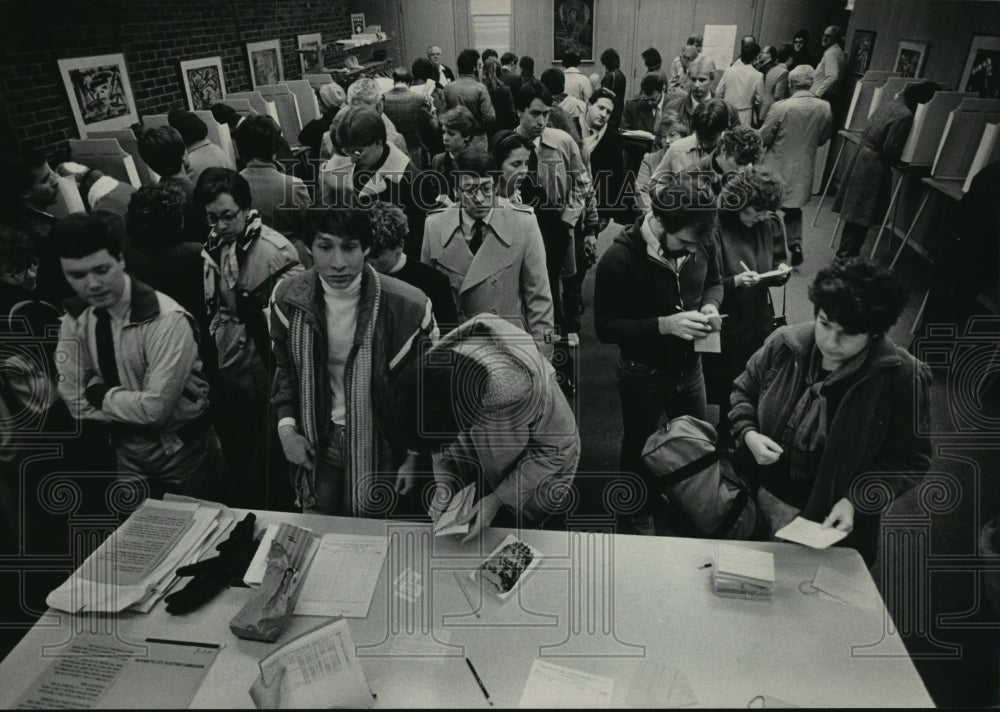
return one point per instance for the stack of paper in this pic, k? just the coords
(742, 572)
(135, 566)
(457, 511)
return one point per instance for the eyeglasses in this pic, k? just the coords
(483, 189)
(227, 218)
(354, 152)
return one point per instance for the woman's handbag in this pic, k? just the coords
(700, 484)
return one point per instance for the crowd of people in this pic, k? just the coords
(406, 314)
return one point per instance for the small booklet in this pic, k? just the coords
(321, 669)
(458, 509)
(810, 533)
(507, 566)
(742, 572)
(781, 269)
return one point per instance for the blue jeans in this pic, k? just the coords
(330, 469)
(646, 394)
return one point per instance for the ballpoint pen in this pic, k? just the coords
(479, 681)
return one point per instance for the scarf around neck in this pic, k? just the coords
(231, 261)
(804, 436)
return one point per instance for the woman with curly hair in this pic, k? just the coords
(828, 411)
(746, 230)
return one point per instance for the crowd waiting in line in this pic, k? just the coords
(259, 335)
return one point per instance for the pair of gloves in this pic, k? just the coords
(212, 575)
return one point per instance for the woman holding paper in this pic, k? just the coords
(747, 229)
(831, 417)
(488, 405)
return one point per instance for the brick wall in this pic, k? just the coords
(155, 36)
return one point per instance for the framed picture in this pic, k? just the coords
(982, 68)
(265, 62)
(573, 28)
(99, 92)
(861, 51)
(204, 82)
(311, 53)
(910, 58)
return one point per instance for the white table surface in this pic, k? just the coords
(604, 604)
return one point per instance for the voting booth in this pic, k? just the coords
(217, 133)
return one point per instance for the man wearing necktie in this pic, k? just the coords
(128, 357)
(492, 253)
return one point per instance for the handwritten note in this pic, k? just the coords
(550, 685)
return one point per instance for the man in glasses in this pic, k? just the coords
(492, 253)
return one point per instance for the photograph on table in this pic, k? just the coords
(99, 92)
(573, 28)
(204, 83)
(311, 53)
(265, 62)
(507, 566)
(982, 67)
(862, 47)
(910, 58)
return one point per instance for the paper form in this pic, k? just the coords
(101, 671)
(343, 576)
(711, 344)
(653, 680)
(551, 685)
(810, 533)
(133, 551)
(321, 670)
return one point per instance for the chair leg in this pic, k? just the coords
(829, 180)
(906, 237)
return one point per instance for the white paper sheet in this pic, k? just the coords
(656, 684)
(100, 671)
(321, 670)
(853, 593)
(550, 685)
(343, 576)
(810, 533)
(718, 43)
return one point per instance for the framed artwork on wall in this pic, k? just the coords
(573, 28)
(311, 53)
(204, 83)
(99, 91)
(982, 67)
(910, 58)
(265, 62)
(862, 47)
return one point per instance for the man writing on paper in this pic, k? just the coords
(487, 404)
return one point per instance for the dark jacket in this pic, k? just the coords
(515, 80)
(607, 172)
(633, 290)
(437, 288)
(880, 424)
(615, 81)
(311, 134)
(410, 113)
(503, 106)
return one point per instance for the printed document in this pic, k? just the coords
(551, 685)
(810, 533)
(343, 576)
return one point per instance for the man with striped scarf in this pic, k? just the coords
(340, 331)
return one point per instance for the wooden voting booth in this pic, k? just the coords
(287, 107)
(257, 102)
(217, 133)
(130, 144)
(318, 80)
(107, 156)
(305, 95)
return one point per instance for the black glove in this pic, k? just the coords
(95, 394)
(213, 575)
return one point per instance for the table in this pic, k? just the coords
(601, 603)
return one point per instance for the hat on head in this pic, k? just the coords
(331, 95)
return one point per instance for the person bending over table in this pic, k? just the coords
(822, 404)
(487, 404)
(339, 331)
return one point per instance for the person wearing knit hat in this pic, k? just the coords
(331, 97)
(202, 153)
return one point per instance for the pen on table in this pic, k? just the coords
(479, 681)
(706, 566)
(465, 593)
